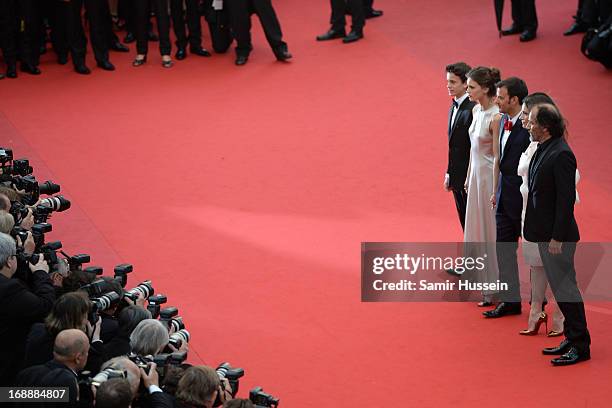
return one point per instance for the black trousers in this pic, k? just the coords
(127, 11)
(460, 196)
(67, 34)
(562, 278)
(338, 18)
(508, 233)
(240, 21)
(193, 23)
(100, 27)
(593, 13)
(9, 30)
(524, 14)
(160, 8)
(368, 6)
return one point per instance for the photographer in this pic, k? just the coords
(69, 312)
(149, 337)
(7, 222)
(239, 403)
(5, 203)
(129, 318)
(70, 353)
(199, 387)
(20, 307)
(126, 365)
(114, 393)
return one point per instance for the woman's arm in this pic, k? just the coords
(494, 129)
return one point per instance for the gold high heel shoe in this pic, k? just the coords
(554, 333)
(542, 319)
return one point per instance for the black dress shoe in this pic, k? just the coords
(139, 61)
(119, 47)
(30, 69)
(331, 34)
(181, 54)
(576, 28)
(11, 71)
(62, 59)
(503, 309)
(352, 37)
(152, 36)
(82, 69)
(527, 35)
(241, 59)
(106, 65)
(167, 63)
(513, 30)
(129, 38)
(283, 55)
(562, 348)
(572, 356)
(202, 52)
(373, 13)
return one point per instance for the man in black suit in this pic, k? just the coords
(19, 307)
(549, 221)
(240, 21)
(513, 141)
(338, 21)
(70, 352)
(459, 121)
(192, 12)
(524, 20)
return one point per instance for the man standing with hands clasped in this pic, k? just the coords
(549, 221)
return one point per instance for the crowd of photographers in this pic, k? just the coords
(66, 325)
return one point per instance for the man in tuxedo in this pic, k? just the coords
(549, 221)
(240, 21)
(192, 12)
(70, 352)
(513, 141)
(459, 121)
(338, 21)
(524, 20)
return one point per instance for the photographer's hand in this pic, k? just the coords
(225, 390)
(28, 221)
(152, 378)
(40, 265)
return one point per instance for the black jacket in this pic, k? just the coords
(459, 144)
(552, 194)
(19, 309)
(50, 374)
(508, 195)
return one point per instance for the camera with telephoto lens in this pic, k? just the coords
(19, 211)
(261, 399)
(21, 167)
(39, 231)
(162, 361)
(144, 289)
(170, 318)
(49, 188)
(26, 184)
(233, 374)
(76, 261)
(48, 205)
(155, 303)
(85, 382)
(177, 339)
(107, 374)
(101, 304)
(6, 156)
(97, 288)
(121, 273)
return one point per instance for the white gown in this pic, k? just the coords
(480, 232)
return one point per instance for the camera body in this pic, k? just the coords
(261, 399)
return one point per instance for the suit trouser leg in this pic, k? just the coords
(562, 279)
(163, 26)
(529, 16)
(8, 31)
(77, 42)
(338, 18)
(368, 6)
(97, 30)
(141, 18)
(508, 233)
(271, 26)
(30, 13)
(240, 21)
(194, 23)
(460, 196)
(358, 15)
(178, 22)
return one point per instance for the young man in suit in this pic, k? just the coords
(513, 141)
(459, 121)
(524, 20)
(549, 221)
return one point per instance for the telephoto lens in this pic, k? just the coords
(145, 290)
(107, 374)
(57, 203)
(177, 339)
(261, 399)
(105, 301)
(48, 188)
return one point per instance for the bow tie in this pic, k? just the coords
(455, 104)
(508, 125)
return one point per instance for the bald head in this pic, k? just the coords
(71, 348)
(127, 365)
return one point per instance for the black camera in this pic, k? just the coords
(19, 211)
(233, 374)
(6, 155)
(155, 303)
(38, 233)
(177, 339)
(102, 303)
(96, 288)
(261, 399)
(76, 261)
(22, 167)
(121, 272)
(85, 382)
(48, 188)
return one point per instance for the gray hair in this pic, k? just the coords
(8, 248)
(148, 337)
(123, 363)
(7, 222)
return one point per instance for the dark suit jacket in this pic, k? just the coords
(459, 144)
(50, 374)
(19, 308)
(508, 195)
(552, 194)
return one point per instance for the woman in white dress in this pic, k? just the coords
(480, 227)
(539, 282)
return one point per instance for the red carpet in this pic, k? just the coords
(244, 194)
